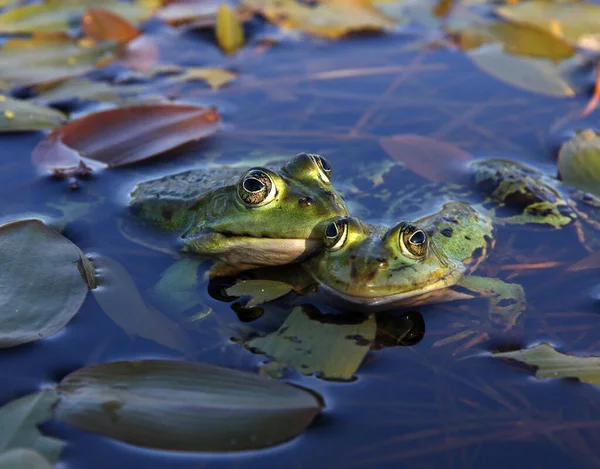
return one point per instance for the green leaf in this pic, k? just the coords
(60, 15)
(182, 406)
(553, 364)
(17, 116)
(260, 291)
(579, 161)
(329, 345)
(21, 458)
(19, 420)
(41, 284)
(120, 299)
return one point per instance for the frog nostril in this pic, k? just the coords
(383, 262)
(304, 202)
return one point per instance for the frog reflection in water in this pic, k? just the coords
(260, 217)
(373, 267)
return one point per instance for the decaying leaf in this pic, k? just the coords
(228, 29)
(579, 161)
(174, 405)
(125, 135)
(104, 25)
(553, 364)
(17, 115)
(332, 347)
(260, 291)
(330, 19)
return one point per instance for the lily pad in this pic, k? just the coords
(553, 364)
(119, 298)
(19, 420)
(42, 282)
(182, 406)
(17, 115)
(125, 135)
(21, 458)
(579, 161)
(330, 19)
(329, 345)
(260, 291)
(228, 30)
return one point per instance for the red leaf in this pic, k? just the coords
(125, 135)
(435, 160)
(104, 25)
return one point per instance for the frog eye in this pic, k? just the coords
(324, 168)
(256, 188)
(413, 241)
(336, 234)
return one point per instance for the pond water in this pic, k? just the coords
(420, 404)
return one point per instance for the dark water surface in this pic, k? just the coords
(419, 405)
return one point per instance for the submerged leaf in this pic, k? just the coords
(260, 291)
(18, 115)
(229, 32)
(21, 458)
(330, 19)
(579, 161)
(182, 406)
(553, 364)
(331, 346)
(433, 159)
(41, 286)
(104, 25)
(125, 135)
(19, 420)
(118, 296)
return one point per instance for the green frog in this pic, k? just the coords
(431, 260)
(247, 218)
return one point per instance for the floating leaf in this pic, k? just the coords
(186, 11)
(104, 25)
(331, 346)
(535, 75)
(229, 32)
(553, 364)
(82, 89)
(572, 21)
(19, 420)
(58, 16)
(331, 19)
(579, 161)
(182, 406)
(41, 283)
(591, 261)
(125, 135)
(433, 159)
(261, 291)
(140, 54)
(118, 296)
(18, 115)
(25, 62)
(21, 458)
(215, 77)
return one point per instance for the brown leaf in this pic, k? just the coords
(125, 135)
(104, 25)
(435, 160)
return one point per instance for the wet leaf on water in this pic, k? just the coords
(58, 16)
(198, 13)
(228, 29)
(21, 458)
(26, 62)
(119, 297)
(105, 25)
(17, 115)
(260, 291)
(140, 54)
(579, 161)
(330, 19)
(125, 135)
(215, 77)
(433, 159)
(553, 364)
(41, 287)
(591, 261)
(82, 89)
(182, 406)
(535, 75)
(19, 420)
(329, 345)
(575, 22)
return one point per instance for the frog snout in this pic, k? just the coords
(366, 269)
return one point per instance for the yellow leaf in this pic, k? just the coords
(229, 32)
(215, 77)
(330, 19)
